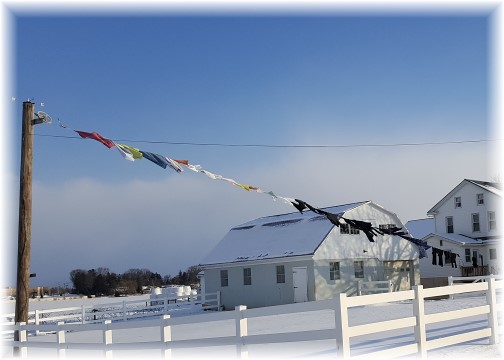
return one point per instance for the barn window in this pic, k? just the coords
(359, 269)
(280, 274)
(458, 202)
(334, 271)
(247, 276)
(224, 280)
(480, 200)
(347, 229)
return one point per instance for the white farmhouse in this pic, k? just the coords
(464, 223)
(298, 257)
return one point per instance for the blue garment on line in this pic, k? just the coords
(155, 158)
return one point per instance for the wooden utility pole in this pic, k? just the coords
(25, 210)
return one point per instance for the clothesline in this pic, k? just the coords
(131, 153)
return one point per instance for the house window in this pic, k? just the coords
(492, 221)
(247, 276)
(334, 272)
(280, 274)
(224, 279)
(475, 222)
(440, 243)
(468, 255)
(493, 254)
(458, 202)
(359, 269)
(449, 224)
(347, 229)
(479, 199)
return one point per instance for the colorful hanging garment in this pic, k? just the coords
(95, 136)
(155, 158)
(174, 165)
(133, 151)
(124, 153)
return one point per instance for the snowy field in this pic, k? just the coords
(323, 319)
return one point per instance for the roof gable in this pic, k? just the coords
(495, 188)
(286, 235)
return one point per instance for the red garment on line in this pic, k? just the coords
(95, 136)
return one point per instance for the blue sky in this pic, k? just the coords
(330, 79)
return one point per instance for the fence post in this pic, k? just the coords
(125, 313)
(492, 315)
(37, 320)
(83, 312)
(107, 338)
(165, 305)
(218, 300)
(21, 351)
(60, 339)
(341, 323)
(359, 287)
(241, 331)
(390, 286)
(166, 336)
(450, 283)
(419, 312)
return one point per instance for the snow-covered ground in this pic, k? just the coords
(281, 323)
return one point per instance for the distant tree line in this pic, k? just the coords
(103, 282)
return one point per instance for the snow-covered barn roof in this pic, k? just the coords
(286, 235)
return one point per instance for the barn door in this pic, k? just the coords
(300, 283)
(400, 272)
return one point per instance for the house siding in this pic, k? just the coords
(462, 221)
(264, 290)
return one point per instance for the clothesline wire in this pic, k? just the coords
(286, 146)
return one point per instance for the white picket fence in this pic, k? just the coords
(342, 333)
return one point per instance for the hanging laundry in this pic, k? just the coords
(453, 259)
(195, 168)
(174, 165)
(133, 151)
(95, 136)
(155, 158)
(440, 257)
(124, 153)
(211, 175)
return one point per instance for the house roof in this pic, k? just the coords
(421, 227)
(493, 187)
(456, 238)
(286, 235)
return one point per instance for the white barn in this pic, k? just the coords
(464, 222)
(298, 257)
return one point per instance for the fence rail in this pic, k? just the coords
(343, 333)
(124, 310)
(374, 286)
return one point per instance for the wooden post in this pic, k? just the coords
(25, 209)
(341, 326)
(60, 339)
(166, 336)
(241, 324)
(107, 338)
(420, 328)
(493, 320)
